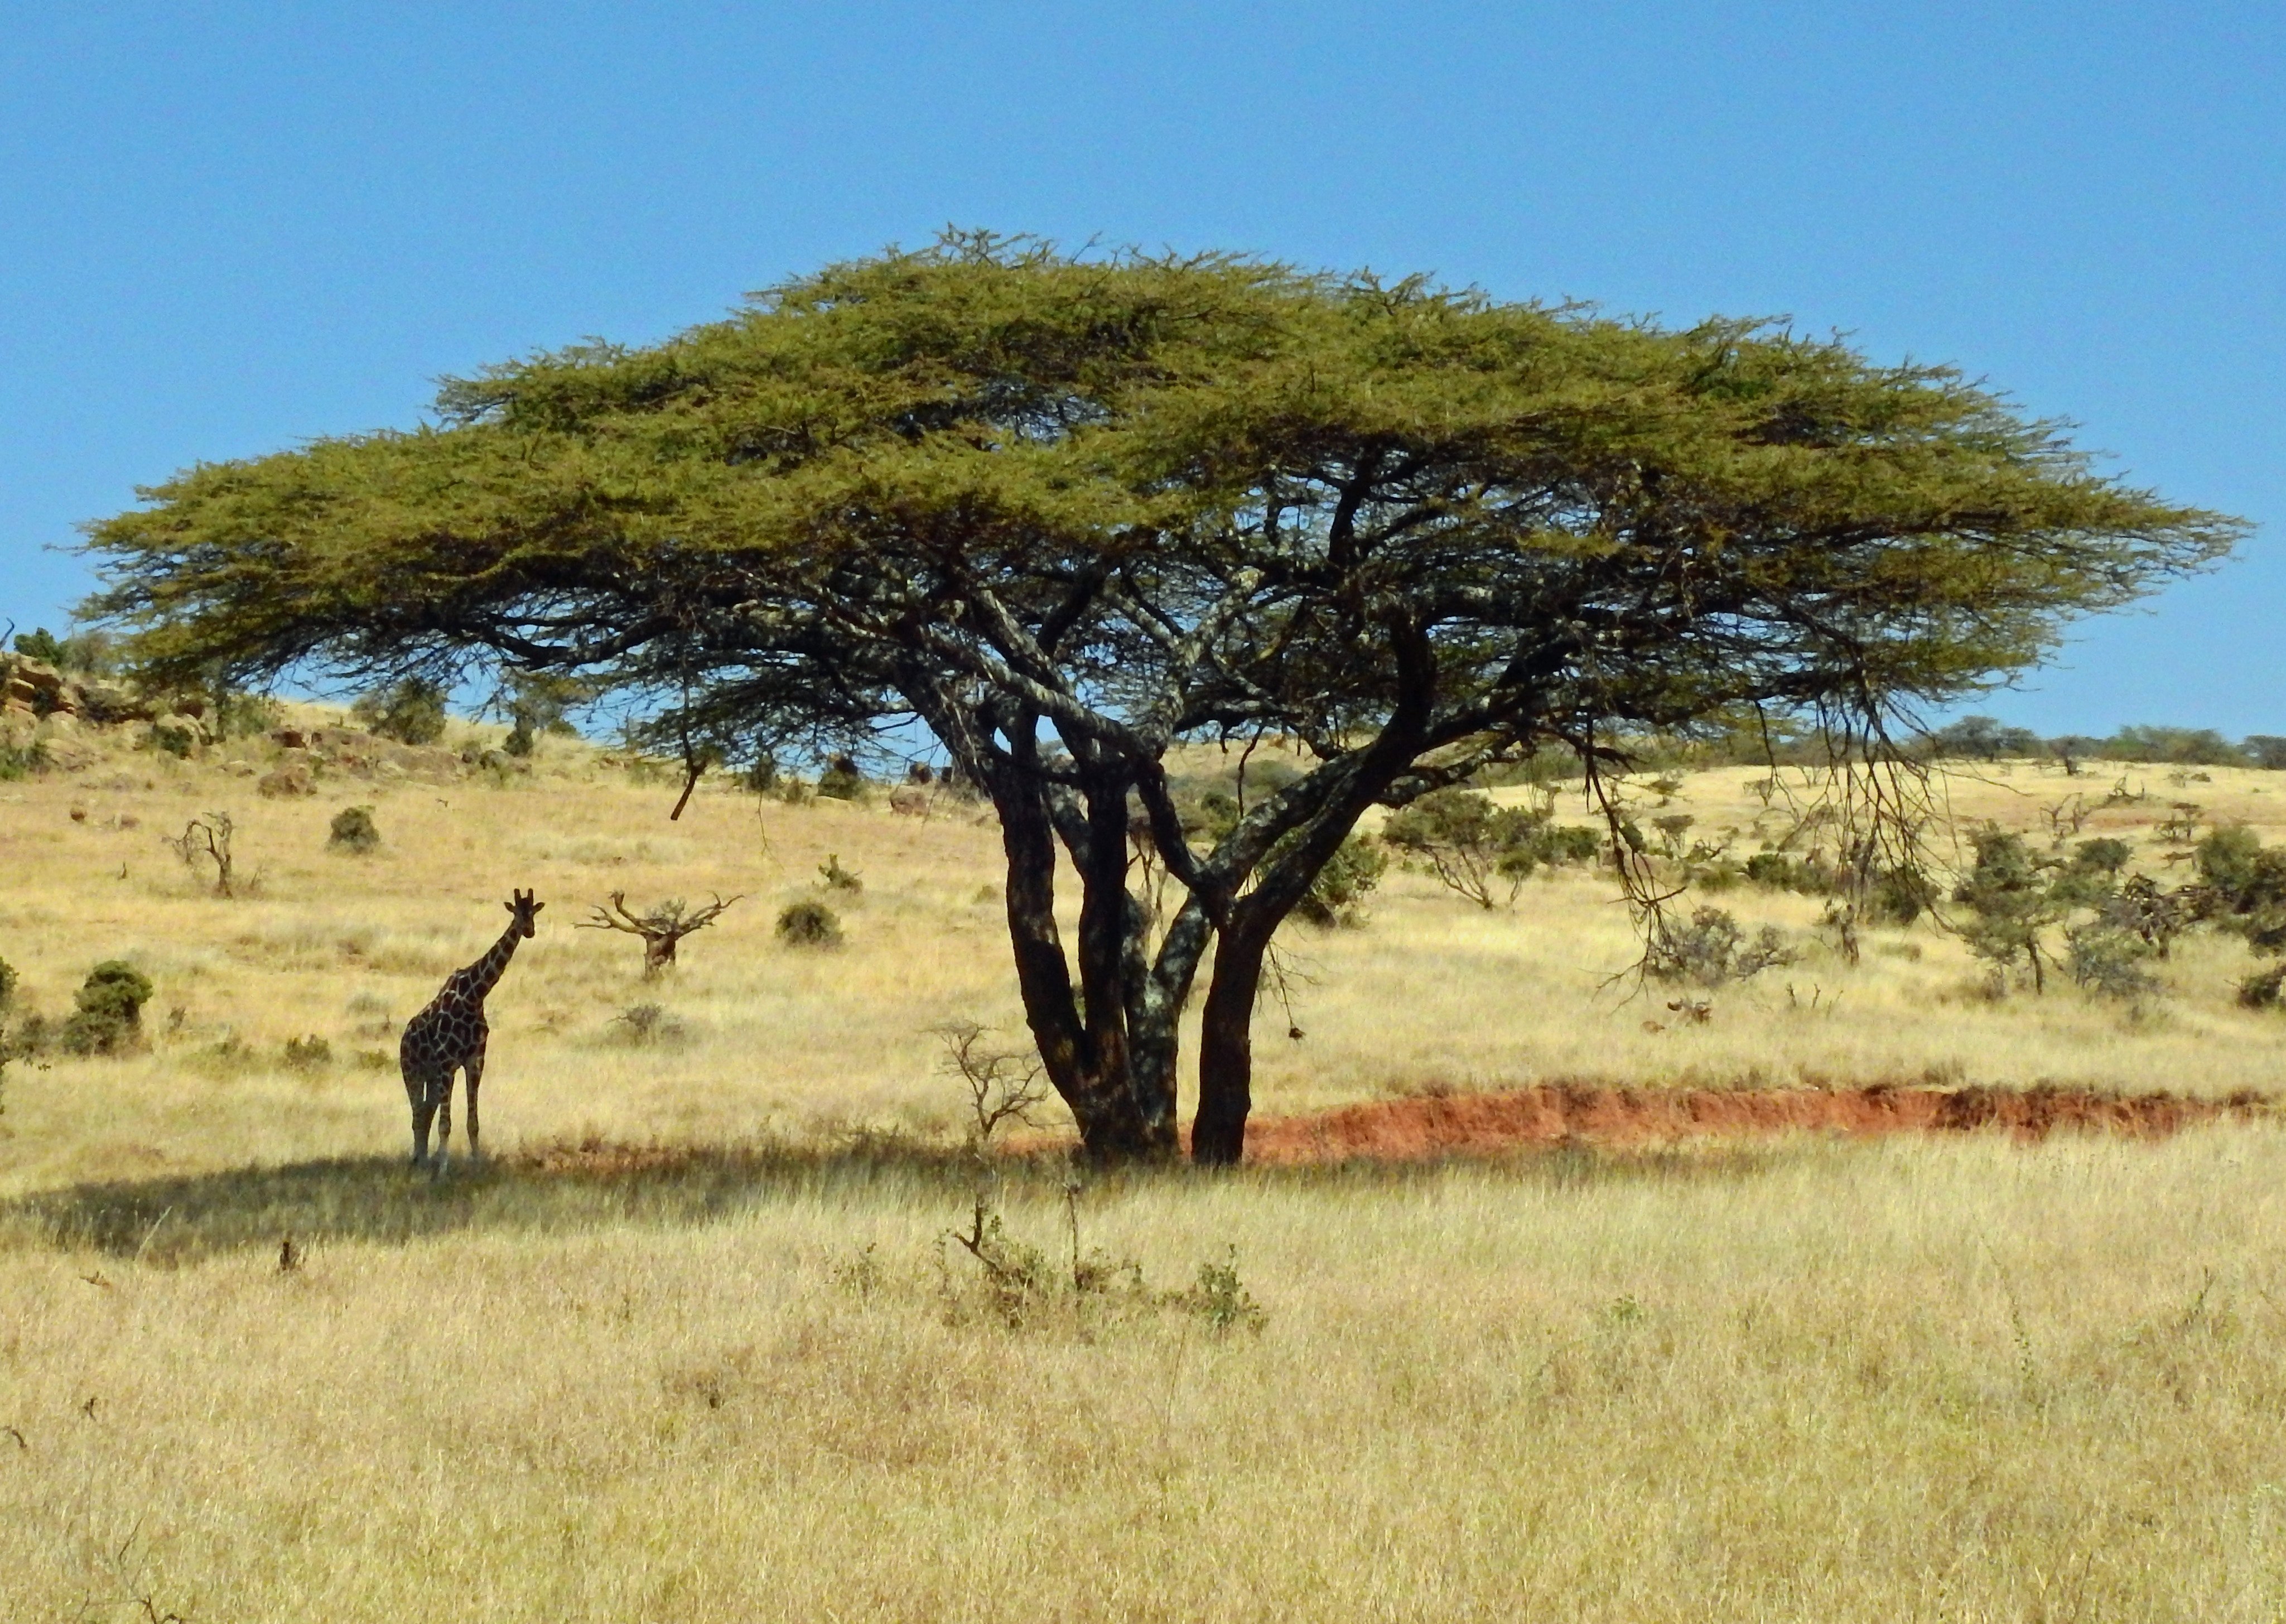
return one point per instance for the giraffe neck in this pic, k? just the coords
(485, 975)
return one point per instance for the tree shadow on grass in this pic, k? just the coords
(382, 1199)
(569, 1187)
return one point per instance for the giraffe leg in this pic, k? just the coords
(474, 1068)
(423, 1111)
(444, 1124)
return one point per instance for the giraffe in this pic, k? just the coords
(449, 1036)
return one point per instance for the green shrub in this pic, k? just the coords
(23, 761)
(646, 1024)
(412, 712)
(2010, 901)
(2261, 990)
(239, 714)
(1714, 949)
(809, 924)
(109, 1016)
(353, 830)
(841, 780)
(2109, 962)
(8, 983)
(1336, 897)
(1473, 845)
(308, 1054)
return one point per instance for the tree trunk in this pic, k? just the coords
(1124, 1113)
(1226, 1052)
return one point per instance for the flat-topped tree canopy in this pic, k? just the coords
(1068, 509)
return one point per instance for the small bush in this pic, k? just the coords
(353, 830)
(1336, 897)
(239, 714)
(308, 1056)
(645, 1024)
(412, 712)
(1221, 1299)
(8, 983)
(2261, 990)
(809, 924)
(841, 780)
(23, 761)
(2107, 962)
(1714, 949)
(109, 1016)
(833, 876)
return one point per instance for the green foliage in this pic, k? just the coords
(308, 1056)
(108, 1015)
(8, 984)
(1479, 849)
(649, 1026)
(353, 830)
(411, 711)
(88, 653)
(41, 644)
(811, 924)
(1221, 1299)
(2247, 882)
(1336, 897)
(23, 761)
(2010, 902)
(2263, 988)
(2109, 962)
(1714, 949)
(538, 703)
(1981, 739)
(842, 780)
(240, 715)
(2100, 855)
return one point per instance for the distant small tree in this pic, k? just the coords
(541, 703)
(2073, 750)
(209, 836)
(2173, 746)
(2010, 903)
(411, 711)
(1981, 739)
(2267, 751)
(1479, 849)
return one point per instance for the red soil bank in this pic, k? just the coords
(1431, 1126)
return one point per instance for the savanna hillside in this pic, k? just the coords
(695, 1346)
(755, 1037)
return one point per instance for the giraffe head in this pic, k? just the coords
(525, 911)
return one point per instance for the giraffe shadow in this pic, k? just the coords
(380, 1199)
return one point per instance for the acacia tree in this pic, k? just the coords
(1068, 512)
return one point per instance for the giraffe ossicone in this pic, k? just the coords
(449, 1036)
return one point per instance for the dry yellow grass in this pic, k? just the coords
(1965, 1381)
(1811, 1381)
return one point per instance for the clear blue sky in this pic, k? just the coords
(225, 228)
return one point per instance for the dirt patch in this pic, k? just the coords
(1428, 1127)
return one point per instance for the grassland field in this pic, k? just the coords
(692, 1344)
